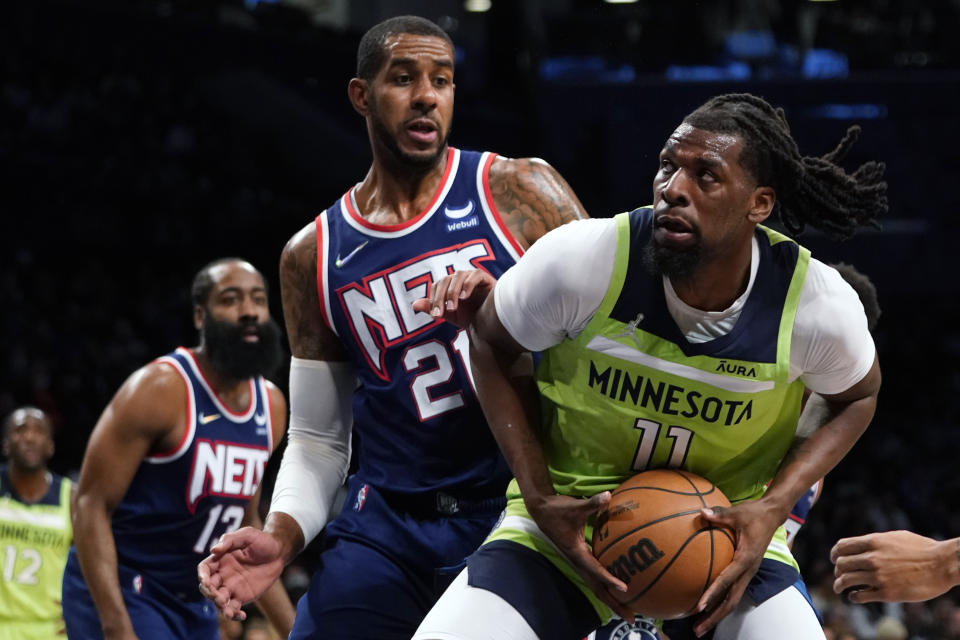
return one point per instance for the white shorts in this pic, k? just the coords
(471, 613)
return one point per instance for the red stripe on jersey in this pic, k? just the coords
(186, 425)
(403, 225)
(796, 519)
(488, 195)
(265, 390)
(318, 231)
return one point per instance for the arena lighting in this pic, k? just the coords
(620, 1)
(477, 6)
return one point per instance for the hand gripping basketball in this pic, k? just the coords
(653, 537)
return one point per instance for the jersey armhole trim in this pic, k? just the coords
(269, 412)
(503, 231)
(320, 225)
(191, 425)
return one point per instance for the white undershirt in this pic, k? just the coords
(554, 290)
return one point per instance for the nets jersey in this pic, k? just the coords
(180, 502)
(34, 540)
(419, 427)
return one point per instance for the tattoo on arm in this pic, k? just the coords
(309, 335)
(532, 198)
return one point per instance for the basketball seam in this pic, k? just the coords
(645, 525)
(668, 565)
(696, 492)
(712, 546)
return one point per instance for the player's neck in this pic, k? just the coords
(31, 485)
(233, 392)
(392, 195)
(716, 284)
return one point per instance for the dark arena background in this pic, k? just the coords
(140, 139)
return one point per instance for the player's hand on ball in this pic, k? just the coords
(562, 519)
(754, 525)
(895, 566)
(457, 297)
(240, 567)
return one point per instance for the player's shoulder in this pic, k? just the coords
(274, 392)
(304, 238)
(156, 386)
(588, 235)
(503, 168)
(825, 298)
(825, 284)
(300, 252)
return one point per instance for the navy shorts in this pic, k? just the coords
(771, 578)
(386, 562)
(156, 613)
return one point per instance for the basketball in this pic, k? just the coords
(653, 538)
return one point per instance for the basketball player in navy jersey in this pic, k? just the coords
(174, 462)
(430, 480)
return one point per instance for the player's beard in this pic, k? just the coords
(676, 265)
(237, 359)
(389, 140)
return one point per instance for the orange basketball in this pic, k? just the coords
(653, 537)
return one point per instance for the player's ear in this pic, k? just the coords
(358, 91)
(761, 204)
(199, 315)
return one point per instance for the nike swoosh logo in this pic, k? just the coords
(260, 419)
(462, 212)
(342, 261)
(208, 419)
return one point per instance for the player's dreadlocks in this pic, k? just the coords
(809, 190)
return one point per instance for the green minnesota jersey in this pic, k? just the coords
(34, 541)
(630, 393)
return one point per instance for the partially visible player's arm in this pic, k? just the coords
(146, 412)
(245, 563)
(510, 404)
(839, 363)
(319, 441)
(532, 198)
(895, 566)
(274, 603)
(544, 298)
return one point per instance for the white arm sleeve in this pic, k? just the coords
(315, 462)
(556, 287)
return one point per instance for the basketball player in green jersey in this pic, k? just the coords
(35, 530)
(680, 335)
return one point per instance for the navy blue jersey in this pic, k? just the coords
(418, 422)
(180, 502)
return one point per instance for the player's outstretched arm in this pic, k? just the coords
(143, 414)
(895, 566)
(509, 401)
(532, 198)
(274, 603)
(247, 562)
(756, 521)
